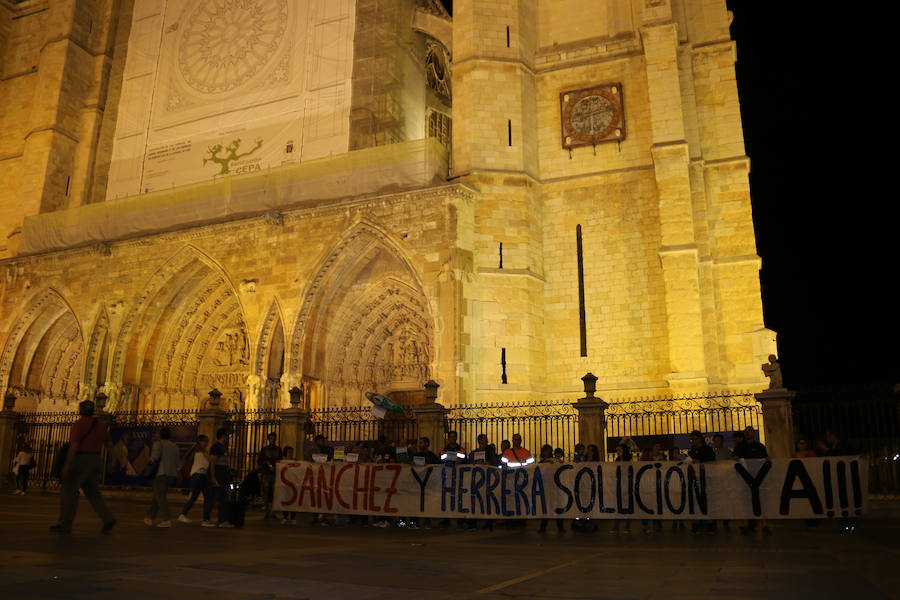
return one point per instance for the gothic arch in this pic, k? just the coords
(269, 360)
(365, 322)
(41, 357)
(96, 358)
(184, 335)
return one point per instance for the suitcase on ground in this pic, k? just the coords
(237, 508)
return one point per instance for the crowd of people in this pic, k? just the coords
(205, 468)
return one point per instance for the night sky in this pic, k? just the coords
(826, 226)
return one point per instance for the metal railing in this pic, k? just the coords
(357, 423)
(539, 423)
(249, 430)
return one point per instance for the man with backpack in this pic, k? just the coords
(82, 470)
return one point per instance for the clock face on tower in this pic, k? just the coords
(593, 115)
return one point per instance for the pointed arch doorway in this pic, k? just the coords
(365, 325)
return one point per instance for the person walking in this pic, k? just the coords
(22, 464)
(82, 470)
(266, 461)
(164, 454)
(219, 483)
(199, 477)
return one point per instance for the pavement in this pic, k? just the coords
(267, 560)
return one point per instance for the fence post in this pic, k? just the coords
(591, 415)
(8, 420)
(212, 417)
(431, 417)
(778, 421)
(294, 421)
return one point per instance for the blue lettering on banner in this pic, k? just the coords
(490, 495)
(477, 484)
(462, 491)
(504, 492)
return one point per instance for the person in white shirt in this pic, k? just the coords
(165, 454)
(22, 464)
(199, 476)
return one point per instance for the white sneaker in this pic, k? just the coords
(207, 524)
(148, 522)
(164, 524)
(226, 525)
(183, 519)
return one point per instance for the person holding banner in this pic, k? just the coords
(517, 456)
(701, 452)
(483, 454)
(623, 454)
(267, 459)
(548, 457)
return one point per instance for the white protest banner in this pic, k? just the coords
(771, 489)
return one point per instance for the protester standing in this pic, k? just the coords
(82, 470)
(719, 449)
(266, 461)
(623, 454)
(701, 452)
(289, 516)
(517, 455)
(219, 483)
(199, 476)
(748, 448)
(163, 454)
(22, 464)
(547, 457)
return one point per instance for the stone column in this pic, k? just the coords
(212, 417)
(294, 421)
(8, 420)
(431, 417)
(778, 422)
(591, 415)
(100, 400)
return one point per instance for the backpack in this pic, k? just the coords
(59, 461)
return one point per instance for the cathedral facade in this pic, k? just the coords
(361, 195)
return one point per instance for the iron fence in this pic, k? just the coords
(357, 423)
(45, 432)
(248, 436)
(539, 423)
(870, 426)
(668, 421)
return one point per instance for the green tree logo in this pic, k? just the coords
(231, 154)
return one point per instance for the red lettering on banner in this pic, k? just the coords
(287, 483)
(307, 486)
(337, 485)
(393, 489)
(325, 488)
(373, 488)
(357, 489)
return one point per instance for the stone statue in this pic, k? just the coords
(772, 370)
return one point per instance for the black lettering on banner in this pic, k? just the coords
(659, 496)
(537, 490)
(477, 484)
(826, 485)
(796, 471)
(637, 489)
(629, 508)
(461, 490)
(754, 482)
(697, 489)
(504, 492)
(857, 486)
(682, 488)
(448, 489)
(519, 484)
(585, 507)
(422, 483)
(490, 497)
(562, 487)
(842, 486)
(601, 501)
